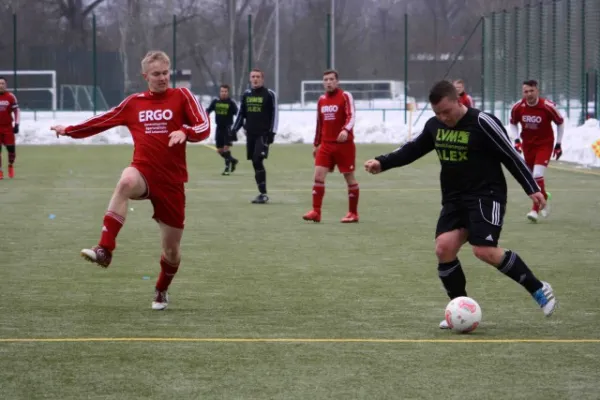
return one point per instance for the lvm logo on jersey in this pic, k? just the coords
(155, 115)
(254, 103)
(452, 145)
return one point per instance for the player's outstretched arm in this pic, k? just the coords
(196, 115)
(404, 155)
(114, 117)
(501, 145)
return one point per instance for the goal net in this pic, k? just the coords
(81, 98)
(35, 89)
(367, 93)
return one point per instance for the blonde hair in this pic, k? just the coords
(154, 55)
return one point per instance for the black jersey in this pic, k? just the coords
(258, 112)
(224, 110)
(471, 155)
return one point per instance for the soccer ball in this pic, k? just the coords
(463, 314)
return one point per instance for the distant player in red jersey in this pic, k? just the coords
(536, 114)
(463, 97)
(161, 121)
(334, 145)
(8, 126)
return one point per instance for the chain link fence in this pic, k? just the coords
(557, 44)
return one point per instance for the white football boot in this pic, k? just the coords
(545, 212)
(161, 300)
(444, 325)
(544, 296)
(533, 216)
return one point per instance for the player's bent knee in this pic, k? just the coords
(446, 249)
(486, 254)
(172, 253)
(132, 183)
(350, 178)
(320, 173)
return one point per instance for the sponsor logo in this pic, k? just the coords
(329, 109)
(155, 115)
(534, 119)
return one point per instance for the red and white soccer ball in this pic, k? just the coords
(463, 314)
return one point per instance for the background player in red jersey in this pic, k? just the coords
(536, 114)
(334, 145)
(8, 107)
(463, 97)
(161, 121)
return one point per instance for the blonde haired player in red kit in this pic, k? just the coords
(334, 145)
(536, 114)
(161, 120)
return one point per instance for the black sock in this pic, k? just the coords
(230, 157)
(515, 268)
(453, 278)
(261, 180)
(227, 157)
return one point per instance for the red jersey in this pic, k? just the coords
(536, 121)
(335, 112)
(466, 100)
(8, 107)
(151, 117)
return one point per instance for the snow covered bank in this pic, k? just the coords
(372, 126)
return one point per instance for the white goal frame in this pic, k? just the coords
(396, 88)
(52, 89)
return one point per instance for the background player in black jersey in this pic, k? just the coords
(225, 109)
(471, 146)
(259, 116)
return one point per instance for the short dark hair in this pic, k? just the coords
(2, 78)
(440, 90)
(531, 82)
(331, 71)
(225, 86)
(258, 70)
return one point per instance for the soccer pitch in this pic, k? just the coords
(267, 306)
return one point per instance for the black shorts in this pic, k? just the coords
(222, 137)
(257, 147)
(482, 218)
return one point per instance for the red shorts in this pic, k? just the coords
(7, 138)
(537, 154)
(168, 201)
(341, 154)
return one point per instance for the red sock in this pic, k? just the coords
(112, 225)
(318, 194)
(167, 273)
(353, 193)
(542, 185)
